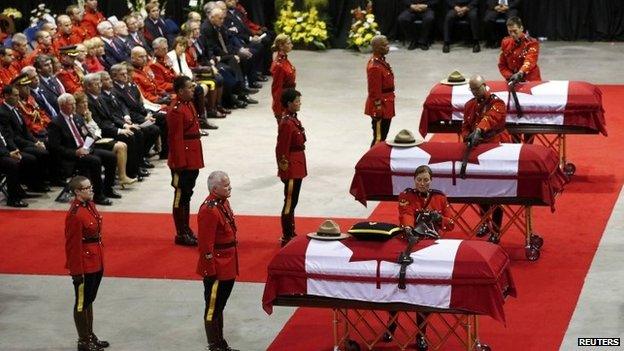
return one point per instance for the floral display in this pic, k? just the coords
(363, 29)
(304, 28)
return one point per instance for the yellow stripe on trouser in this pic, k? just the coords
(377, 131)
(213, 301)
(289, 192)
(178, 191)
(80, 297)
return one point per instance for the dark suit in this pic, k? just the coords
(51, 89)
(159, 29)
(471, 16)
(10, 167)
(63, 145)
(116, 52)
(43, 101)
(16, 133)
(140, 40)
(228, 64)
(491, 16)
(109, 118)
(130, 96)
(262, 54)
(407, 17)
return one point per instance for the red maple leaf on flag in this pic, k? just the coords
(364, 250)
(448, 152)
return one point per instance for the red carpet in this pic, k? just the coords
(136, 244)
(549, 288)
(140, 245)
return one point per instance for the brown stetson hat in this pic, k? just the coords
(328, 230)
(455, 78)
(405, 138)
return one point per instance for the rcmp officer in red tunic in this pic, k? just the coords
(291, 160)
(484, 122)
(85, 261)
(218, 257)
(519, 54)
(284, 73)
(380, 101)
(185, 156)
(412, 203)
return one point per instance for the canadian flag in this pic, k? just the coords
(512, 171)
(463, 275)
(556, 102)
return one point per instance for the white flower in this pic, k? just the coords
(370, 19)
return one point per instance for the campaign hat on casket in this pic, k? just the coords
(455, 78)
(328, 230)
(378, 231)
(405, 138)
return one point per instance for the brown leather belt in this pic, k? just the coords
(225, 246)
(192, 137)
(387, 90)
(297, 148)
(92, 239)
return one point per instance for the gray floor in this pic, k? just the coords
(334, 90)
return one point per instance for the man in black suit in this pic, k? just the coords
(461, 9)
(17, 135)
(49, 85)
(113, 125)
(155, 25)
(216, 41)
(115, 51)
(145, 137)
(10, 162)
(67, 135)
(498, 9)
(36, 91)
(423, 10)
(136, 37)
(128, 93)
(260, 47)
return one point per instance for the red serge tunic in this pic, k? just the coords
(290, 148)
(411, 202)
(217, 240)
(519, 56)
(83, 245)
(380, 100)
(185, 149)
(284, 75)
(489, 116)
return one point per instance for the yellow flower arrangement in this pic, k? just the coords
(12, 12)
(363, 29)
(304, 28)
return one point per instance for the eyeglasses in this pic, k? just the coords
(90, 187)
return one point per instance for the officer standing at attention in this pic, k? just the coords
(218, 257)
(185, 156)
(380, 101)
(85, 260)
(291, 160)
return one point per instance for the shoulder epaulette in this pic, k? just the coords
(212, 203)
(73, 209)
(436, 192)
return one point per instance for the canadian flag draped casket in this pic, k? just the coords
(521, 174)
(567, 104)
(470, 276)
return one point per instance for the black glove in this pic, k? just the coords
(408, 230)
(78, 279)
(516, 77)
(474, 137)
(436, 217)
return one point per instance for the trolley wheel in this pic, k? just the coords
(483, 347)
(494, 238)
(569, 169)
(351, 345)
(537, 241)
(532, 253)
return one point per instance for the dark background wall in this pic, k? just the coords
(554, 19)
